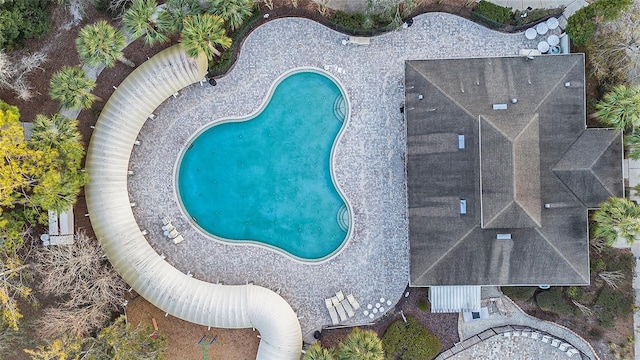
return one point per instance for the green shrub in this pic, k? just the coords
(620, 260)
(494, 12)
(552, 300)
(613, 303)
(410, 342)
(582, 25)
(21, 20)
(354, 21)
(423, 305)
(519, 292)
(576, 293)
(597, 265)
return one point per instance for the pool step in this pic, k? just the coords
(344, 220)
(340, 108)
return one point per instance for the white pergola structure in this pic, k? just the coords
(193, 300)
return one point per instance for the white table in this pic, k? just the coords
(543, 46)
(552, 23)
(553, 40)
(531, 33)
(542, 28)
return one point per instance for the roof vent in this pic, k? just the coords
(420, 97)
(503, 237)
(499, 106)
(567, 84)
(514, 101)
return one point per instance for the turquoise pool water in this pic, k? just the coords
(267, 179)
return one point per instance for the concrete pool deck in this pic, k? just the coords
(369, 158)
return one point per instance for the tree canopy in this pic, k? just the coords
(118, 341)
(201, 33)
(101, 44)
(39, 174)
(617, 217)
(620, 108)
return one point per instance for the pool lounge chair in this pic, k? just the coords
(347, 308)
(332, 312)
(340, 295)
(339, 308)
(353, 302)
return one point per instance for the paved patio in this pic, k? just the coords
(369, 157)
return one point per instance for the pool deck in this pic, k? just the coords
(369, 157)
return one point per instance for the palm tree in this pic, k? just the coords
(141, 18)
(52, 132)
(617, 217)
(101, 43)
(171, 18)
(632, 141)
(361, 345)
(201, 32)
(232, 12)
(620, 108)
(73, 88)
(317, 352)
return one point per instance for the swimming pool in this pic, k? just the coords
(267, 179)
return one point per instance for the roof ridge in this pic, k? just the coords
(526, 212)
(446, 253)
(443, 92)
(504, 208)
(560, 80)
(562, 256)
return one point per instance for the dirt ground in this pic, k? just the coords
(183, 337)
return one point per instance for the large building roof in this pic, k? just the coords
(501, 170)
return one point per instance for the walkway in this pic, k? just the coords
(369, 158)
(518, 318)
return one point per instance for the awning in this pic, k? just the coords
(453, 299)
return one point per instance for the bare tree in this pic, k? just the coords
(88, 286)
(57, 321)
(14, 74)
(615, 49)
(612, 278)
(598, 244)
(586, 311)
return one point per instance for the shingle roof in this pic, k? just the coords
(537, 151)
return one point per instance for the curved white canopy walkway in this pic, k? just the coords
(224, 306)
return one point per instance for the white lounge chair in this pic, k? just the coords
(359, 40)
(173, 233)
(353, 302)
(332, 312)
(347, 308)
(546, 339)
(340, 295)
(564, 346)
(178, 239)
(555, 342)
(339, 308)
